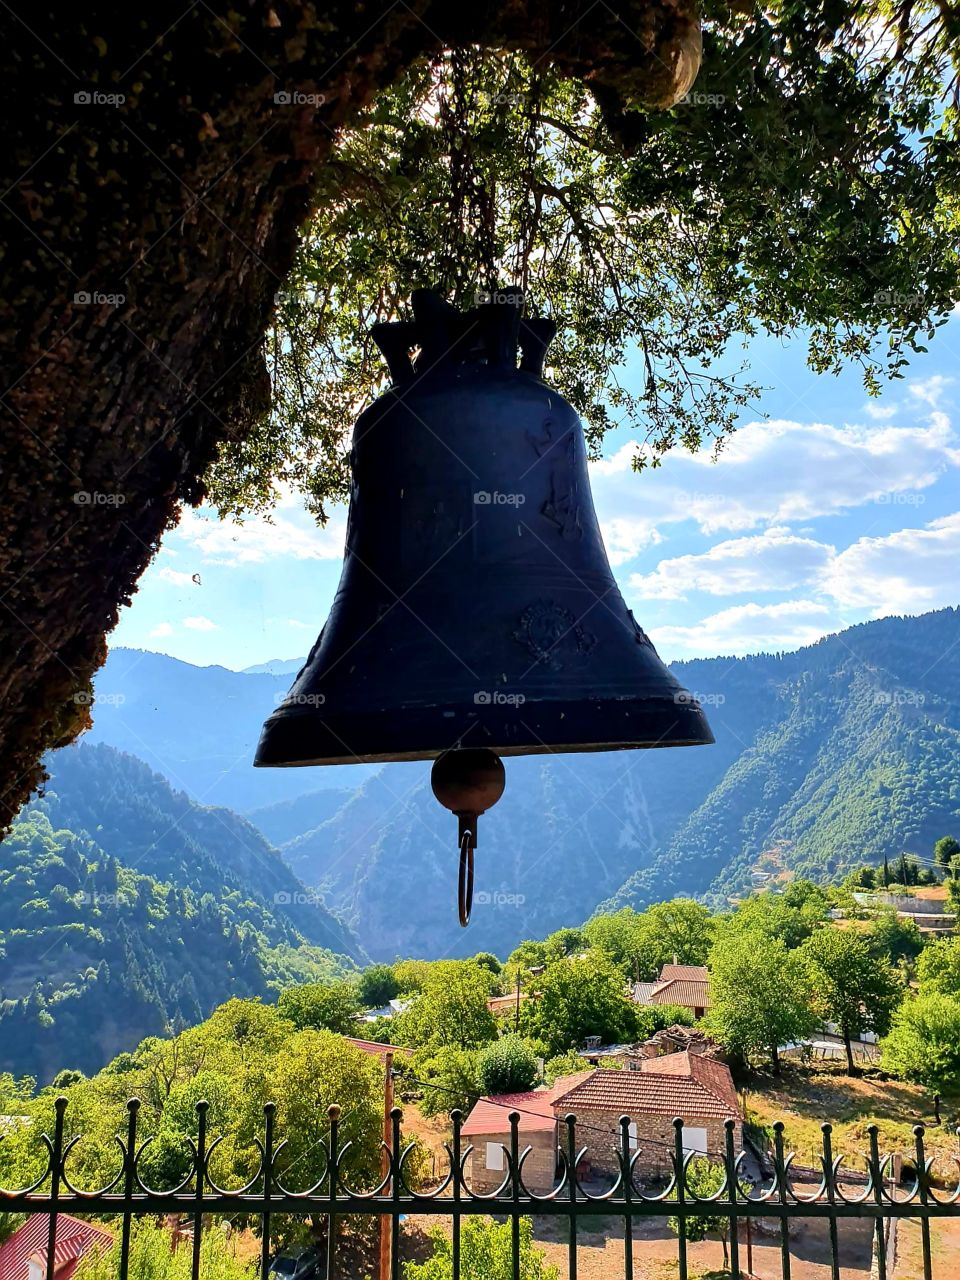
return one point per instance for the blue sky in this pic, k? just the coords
(833, 510)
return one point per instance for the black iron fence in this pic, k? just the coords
(889, 1187)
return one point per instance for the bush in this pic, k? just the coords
(508, 1066)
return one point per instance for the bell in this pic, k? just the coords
(476, 610)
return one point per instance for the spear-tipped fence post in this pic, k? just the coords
(56, 1172)
(780, 1170)
(396, 1181)
(333, 1112)
(625, 1158)
(681, 1182)
(269, 1114)
(457, 1117)
(730, 1160)
(129, 1182)
(923, 1191)
(201, 1164)
(876, 1179)
(570, 1120)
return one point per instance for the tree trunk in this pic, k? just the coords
(155, 189)
(851, 1065)
(775, 1059)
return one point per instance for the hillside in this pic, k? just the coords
(842, 750)
(126, 908)
(199, 727)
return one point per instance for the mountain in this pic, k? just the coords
(843, 750)
(199, 727)
(126, 908)
(838, 753)
(275, 667)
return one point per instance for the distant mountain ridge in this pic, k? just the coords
(842, 750)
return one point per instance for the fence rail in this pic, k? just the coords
(895, 1185)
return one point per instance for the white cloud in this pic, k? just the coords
(879, 412)
(749, 628)
(301, 626)
(775, 560)
(293, 536)
(908, 571)
(769, 473)
(176, 577)
(200, 624)
(160, 630)
(930, 390)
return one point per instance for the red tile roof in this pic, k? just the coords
(691, 994)
(492, 1114)
(74, 1239)
(686, 972)
(677, 1084)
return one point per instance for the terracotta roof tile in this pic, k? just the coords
(74, 1239)
(678, 1084)
(491, 1115)
(691, 994)
(686, 972)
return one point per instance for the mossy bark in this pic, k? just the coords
(155, 188)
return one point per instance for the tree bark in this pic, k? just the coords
(851, 1065)
(775, 1059)
(158, 175)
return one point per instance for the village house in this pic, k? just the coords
(686, 985)
(24, 1255)
(691, 1086)
(487, 1129)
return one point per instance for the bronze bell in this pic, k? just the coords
(476, 612)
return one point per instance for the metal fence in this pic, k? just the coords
(890, 1187)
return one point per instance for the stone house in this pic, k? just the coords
(691, 1086)
(686, 985)
(487, 1129)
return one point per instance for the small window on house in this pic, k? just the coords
(494, 1155)
(695, 1139)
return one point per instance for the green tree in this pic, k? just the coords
(892, 938)
(151, 1257)
(376, 986)
(324, 1006)
(923, 1044)
(850, 986)
(487, 960)
(508, 1065)
(451, 1008)
(581, 996)
(704, 1178)
(760, 993)
(449, 1076)
(486, 1250)
(945, 850)
(938, 969)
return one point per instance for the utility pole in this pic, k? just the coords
(385, 1221)
(516, 1017)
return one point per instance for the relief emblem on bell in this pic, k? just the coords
(552, 634)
